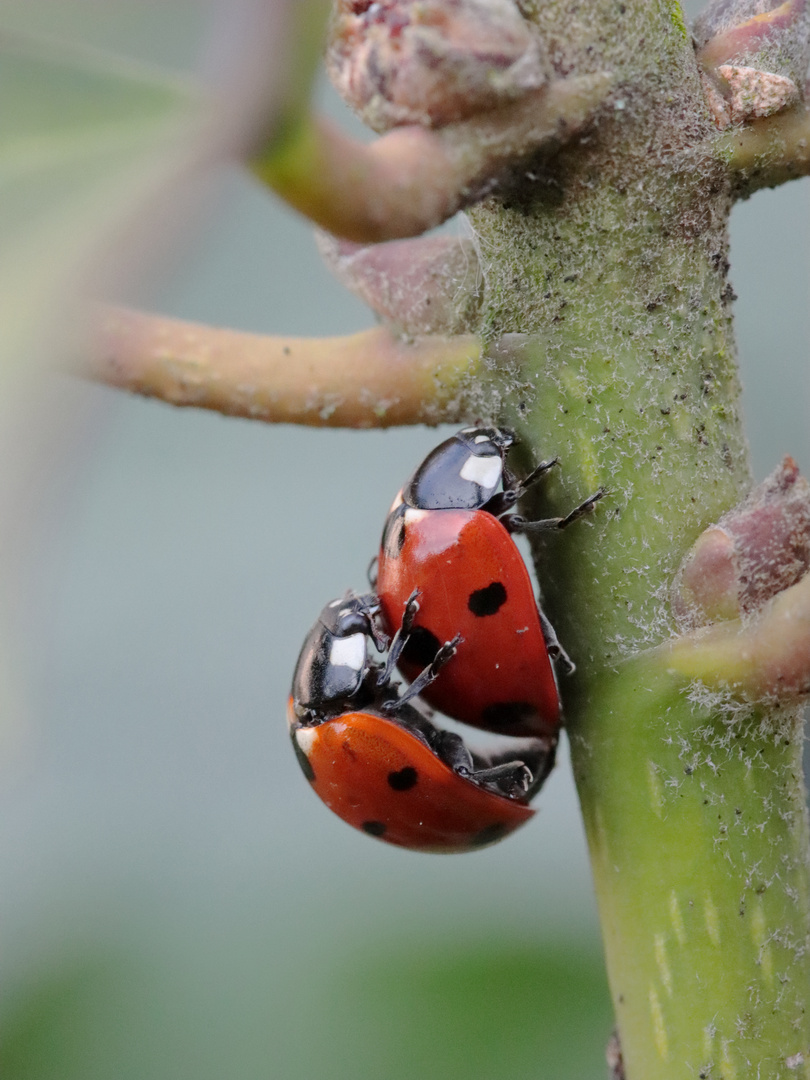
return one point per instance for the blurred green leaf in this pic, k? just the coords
(221, 1006)
(539, 1011)
(84, 140)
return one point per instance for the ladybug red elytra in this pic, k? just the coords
(375, 758)
(448, 534)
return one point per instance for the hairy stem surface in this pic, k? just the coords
(606, 267)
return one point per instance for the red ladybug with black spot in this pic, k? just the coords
(373, 756)
(449, 534)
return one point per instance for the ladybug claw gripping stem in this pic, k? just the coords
(515, 489)
(517, 524)
(555, 649)
(536, 474)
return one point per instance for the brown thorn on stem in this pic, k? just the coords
(430, 285)
(766, 657)
(370, 379)
(413, 179)
(756, 550)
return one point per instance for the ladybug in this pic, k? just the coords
(373, 756)
(449, 533)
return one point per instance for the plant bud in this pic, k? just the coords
(431, 62)
(753, 55)
(431, 285)
(755, 551)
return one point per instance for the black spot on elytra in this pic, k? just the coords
(507, 714)
(393, 536)
(421, 647)
(489, 835)
(403, 780)
(373, 828)
(303, 761)
(487, 601)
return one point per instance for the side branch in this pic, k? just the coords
(414, 178)
(370, 379)
(764, 657)
(768, 151)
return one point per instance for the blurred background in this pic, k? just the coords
(174, 901)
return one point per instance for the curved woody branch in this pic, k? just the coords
(413, 178)
(767, 657)
(769, 151)
(370, 379)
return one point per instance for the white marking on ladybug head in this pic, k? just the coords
(484, 471)
(412, 516)
(348, 652)
(336, 603)
(305, 737)
(481, 438)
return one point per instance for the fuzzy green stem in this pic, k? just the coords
(698, 838)
(606, 270)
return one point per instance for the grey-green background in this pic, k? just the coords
(173, 899)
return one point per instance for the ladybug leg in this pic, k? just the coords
(512, 779)
(536, 755)
(426, 677)
(513, 488)
(400, 638)
(537, 473)
(453, 752)
(514, 523)
(371, 611)
(541, 762)
(555, 649)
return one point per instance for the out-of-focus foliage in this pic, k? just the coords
(83, 141)
(442, 1011)
(86, 143)
(170, 595)
(281, 991)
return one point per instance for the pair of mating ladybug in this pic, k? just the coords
(456, 612)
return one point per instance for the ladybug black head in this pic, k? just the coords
(462, 472)
(502, 438)
(351, 614)
(333, 665)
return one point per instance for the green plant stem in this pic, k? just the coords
(698, 836)
(606, 294)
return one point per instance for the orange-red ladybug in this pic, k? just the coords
(448, 534)
(377, 761)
